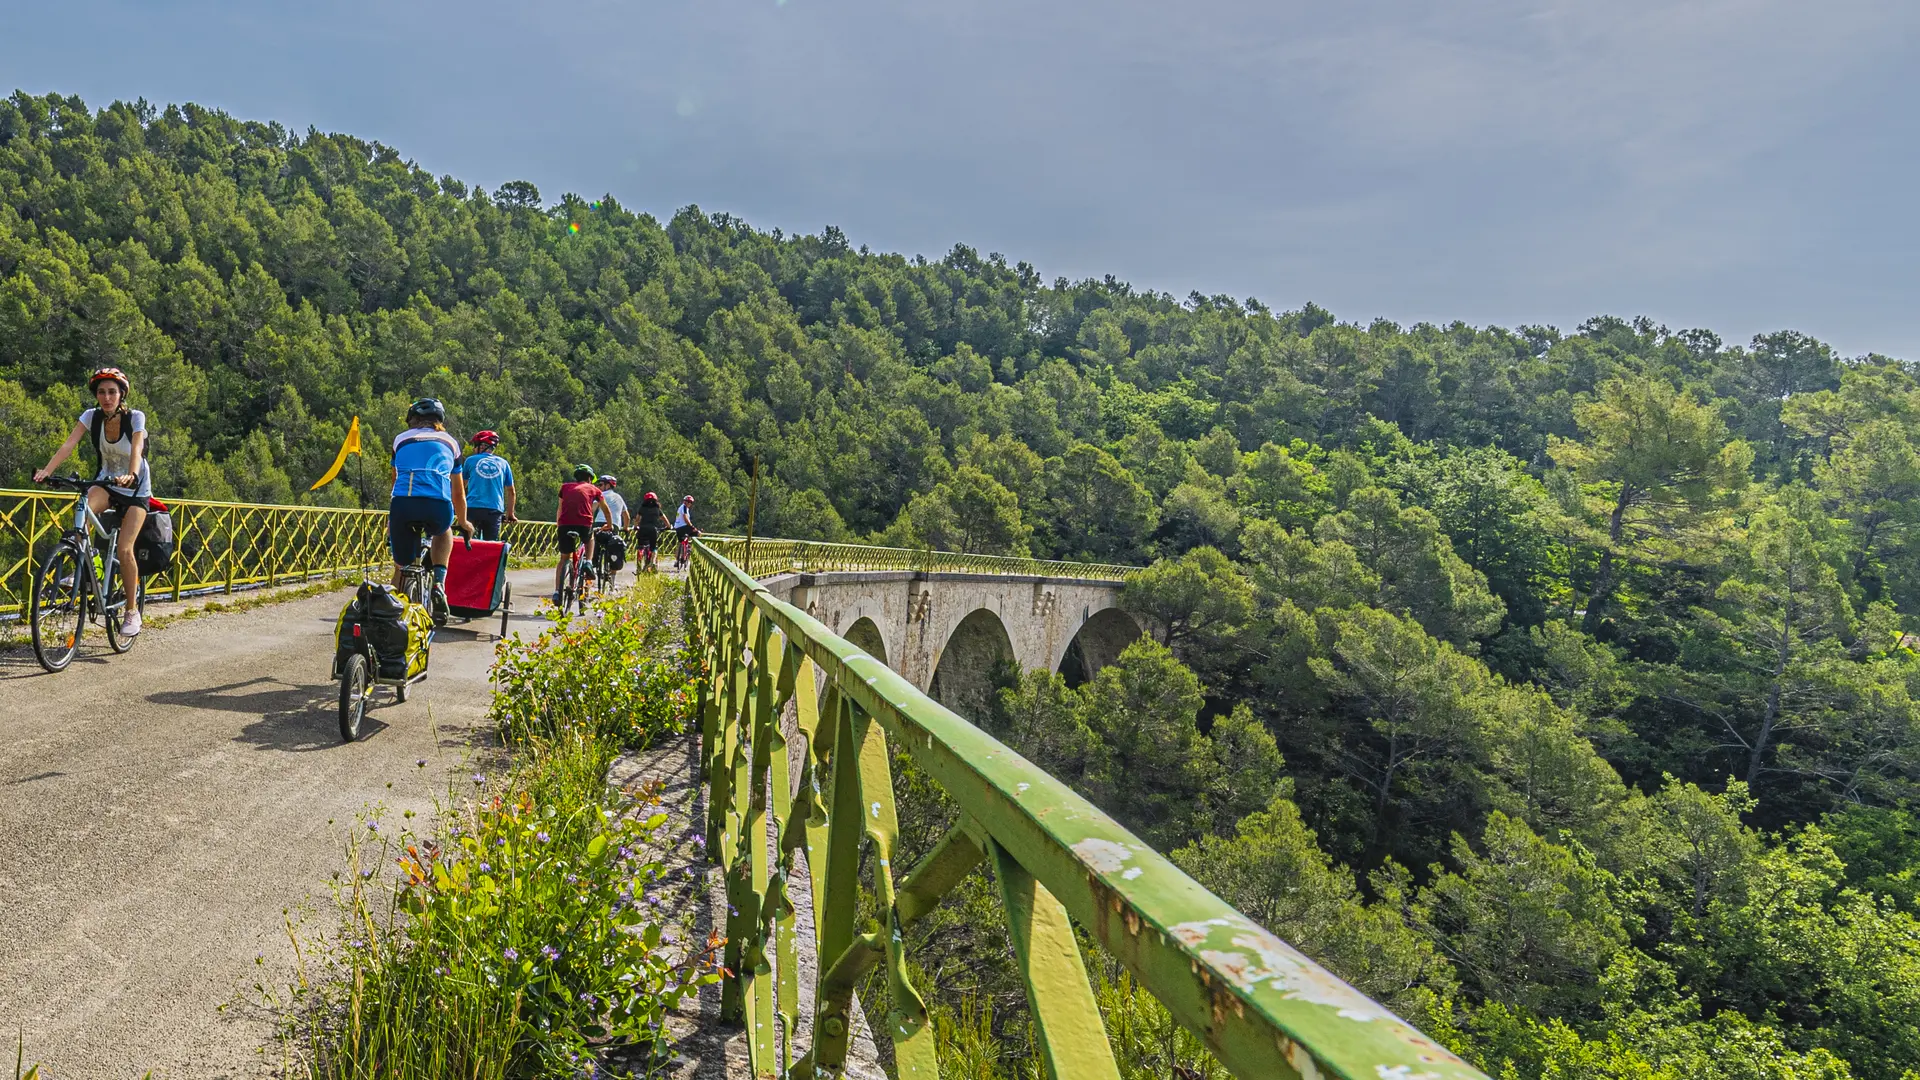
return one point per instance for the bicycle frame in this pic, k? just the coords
(86, 523)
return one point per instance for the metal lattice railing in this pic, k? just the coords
(1264, 1009)
(224, 547)
(771, 557)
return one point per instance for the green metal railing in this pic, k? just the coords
(1264, 1009)
(224, 547)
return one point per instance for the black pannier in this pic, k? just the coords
(380, 612)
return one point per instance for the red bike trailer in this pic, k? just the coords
(477, 585)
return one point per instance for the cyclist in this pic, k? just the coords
(489, 480)
(575, 522)
(647, 526)
(120, 441)
(429, 496)
(683, 528)
(610, 519)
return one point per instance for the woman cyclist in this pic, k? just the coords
(683, 528)
(648, 522)
(120, 440)
(429, 496)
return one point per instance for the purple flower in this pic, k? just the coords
(479, 778)
(365, 874)
(484, 868)
(511, 953)
(542, 837)
(588, 998)
(373, 826)
(422, 763)
(549, 952)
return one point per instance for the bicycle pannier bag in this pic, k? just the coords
(153, 548)
(380, 612)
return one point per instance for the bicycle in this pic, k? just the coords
(73, 588)
(684, 553)
(573, 585)
(357, 665)
(603, 569)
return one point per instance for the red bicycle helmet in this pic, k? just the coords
(485, 438)
(114, 373)
(650, 496)
(688, 499)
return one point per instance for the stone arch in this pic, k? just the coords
(865, 635)
(1098, 642)
(964, 669)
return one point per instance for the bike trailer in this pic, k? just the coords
(477, 578)
(399, 632)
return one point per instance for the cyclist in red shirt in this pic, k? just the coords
(578, 501)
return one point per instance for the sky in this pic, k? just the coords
(1740, 165)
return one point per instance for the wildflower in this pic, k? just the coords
(373, 826)
(421, 763)
(366, 874)
(542, 837)
(588, 998)
(511, 953)
(486, 868)
(479, 778)
(549, 952)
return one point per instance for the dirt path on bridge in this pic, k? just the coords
(160, 810)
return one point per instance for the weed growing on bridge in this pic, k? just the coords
(523, 937)
(618, 675)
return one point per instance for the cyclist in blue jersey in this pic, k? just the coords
(429, 495)
(489, 480)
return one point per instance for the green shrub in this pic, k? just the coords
(619, 675)
(520, 938)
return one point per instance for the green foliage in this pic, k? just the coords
(611, 676)
(514, 942)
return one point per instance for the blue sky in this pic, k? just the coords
(1743, 165)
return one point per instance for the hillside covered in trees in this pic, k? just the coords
(1553, 687)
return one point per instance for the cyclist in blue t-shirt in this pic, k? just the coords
(429, 495)
(489, 479)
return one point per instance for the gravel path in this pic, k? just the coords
(163, 813)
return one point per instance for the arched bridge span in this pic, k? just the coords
(918, 618)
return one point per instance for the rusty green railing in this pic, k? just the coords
(1264, 1009)
(223, 547)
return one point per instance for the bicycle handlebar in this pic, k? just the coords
(72, 483)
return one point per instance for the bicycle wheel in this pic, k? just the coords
(354, 689)
(58, 612)
(506, 606)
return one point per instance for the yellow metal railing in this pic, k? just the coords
(225, 547)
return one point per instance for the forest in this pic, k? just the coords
(1554, 687)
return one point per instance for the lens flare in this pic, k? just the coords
(573, 227)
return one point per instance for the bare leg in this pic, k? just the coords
(130, 521)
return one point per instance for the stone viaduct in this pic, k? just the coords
(947, 632)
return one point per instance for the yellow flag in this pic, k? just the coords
(350, 446)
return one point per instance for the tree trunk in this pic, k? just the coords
(1603, 577)
(1771, 715)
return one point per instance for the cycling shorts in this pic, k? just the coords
(486, 523)
(572, 536)
(408, 516)
(646, 539)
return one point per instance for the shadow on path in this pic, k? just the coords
(290, 717)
